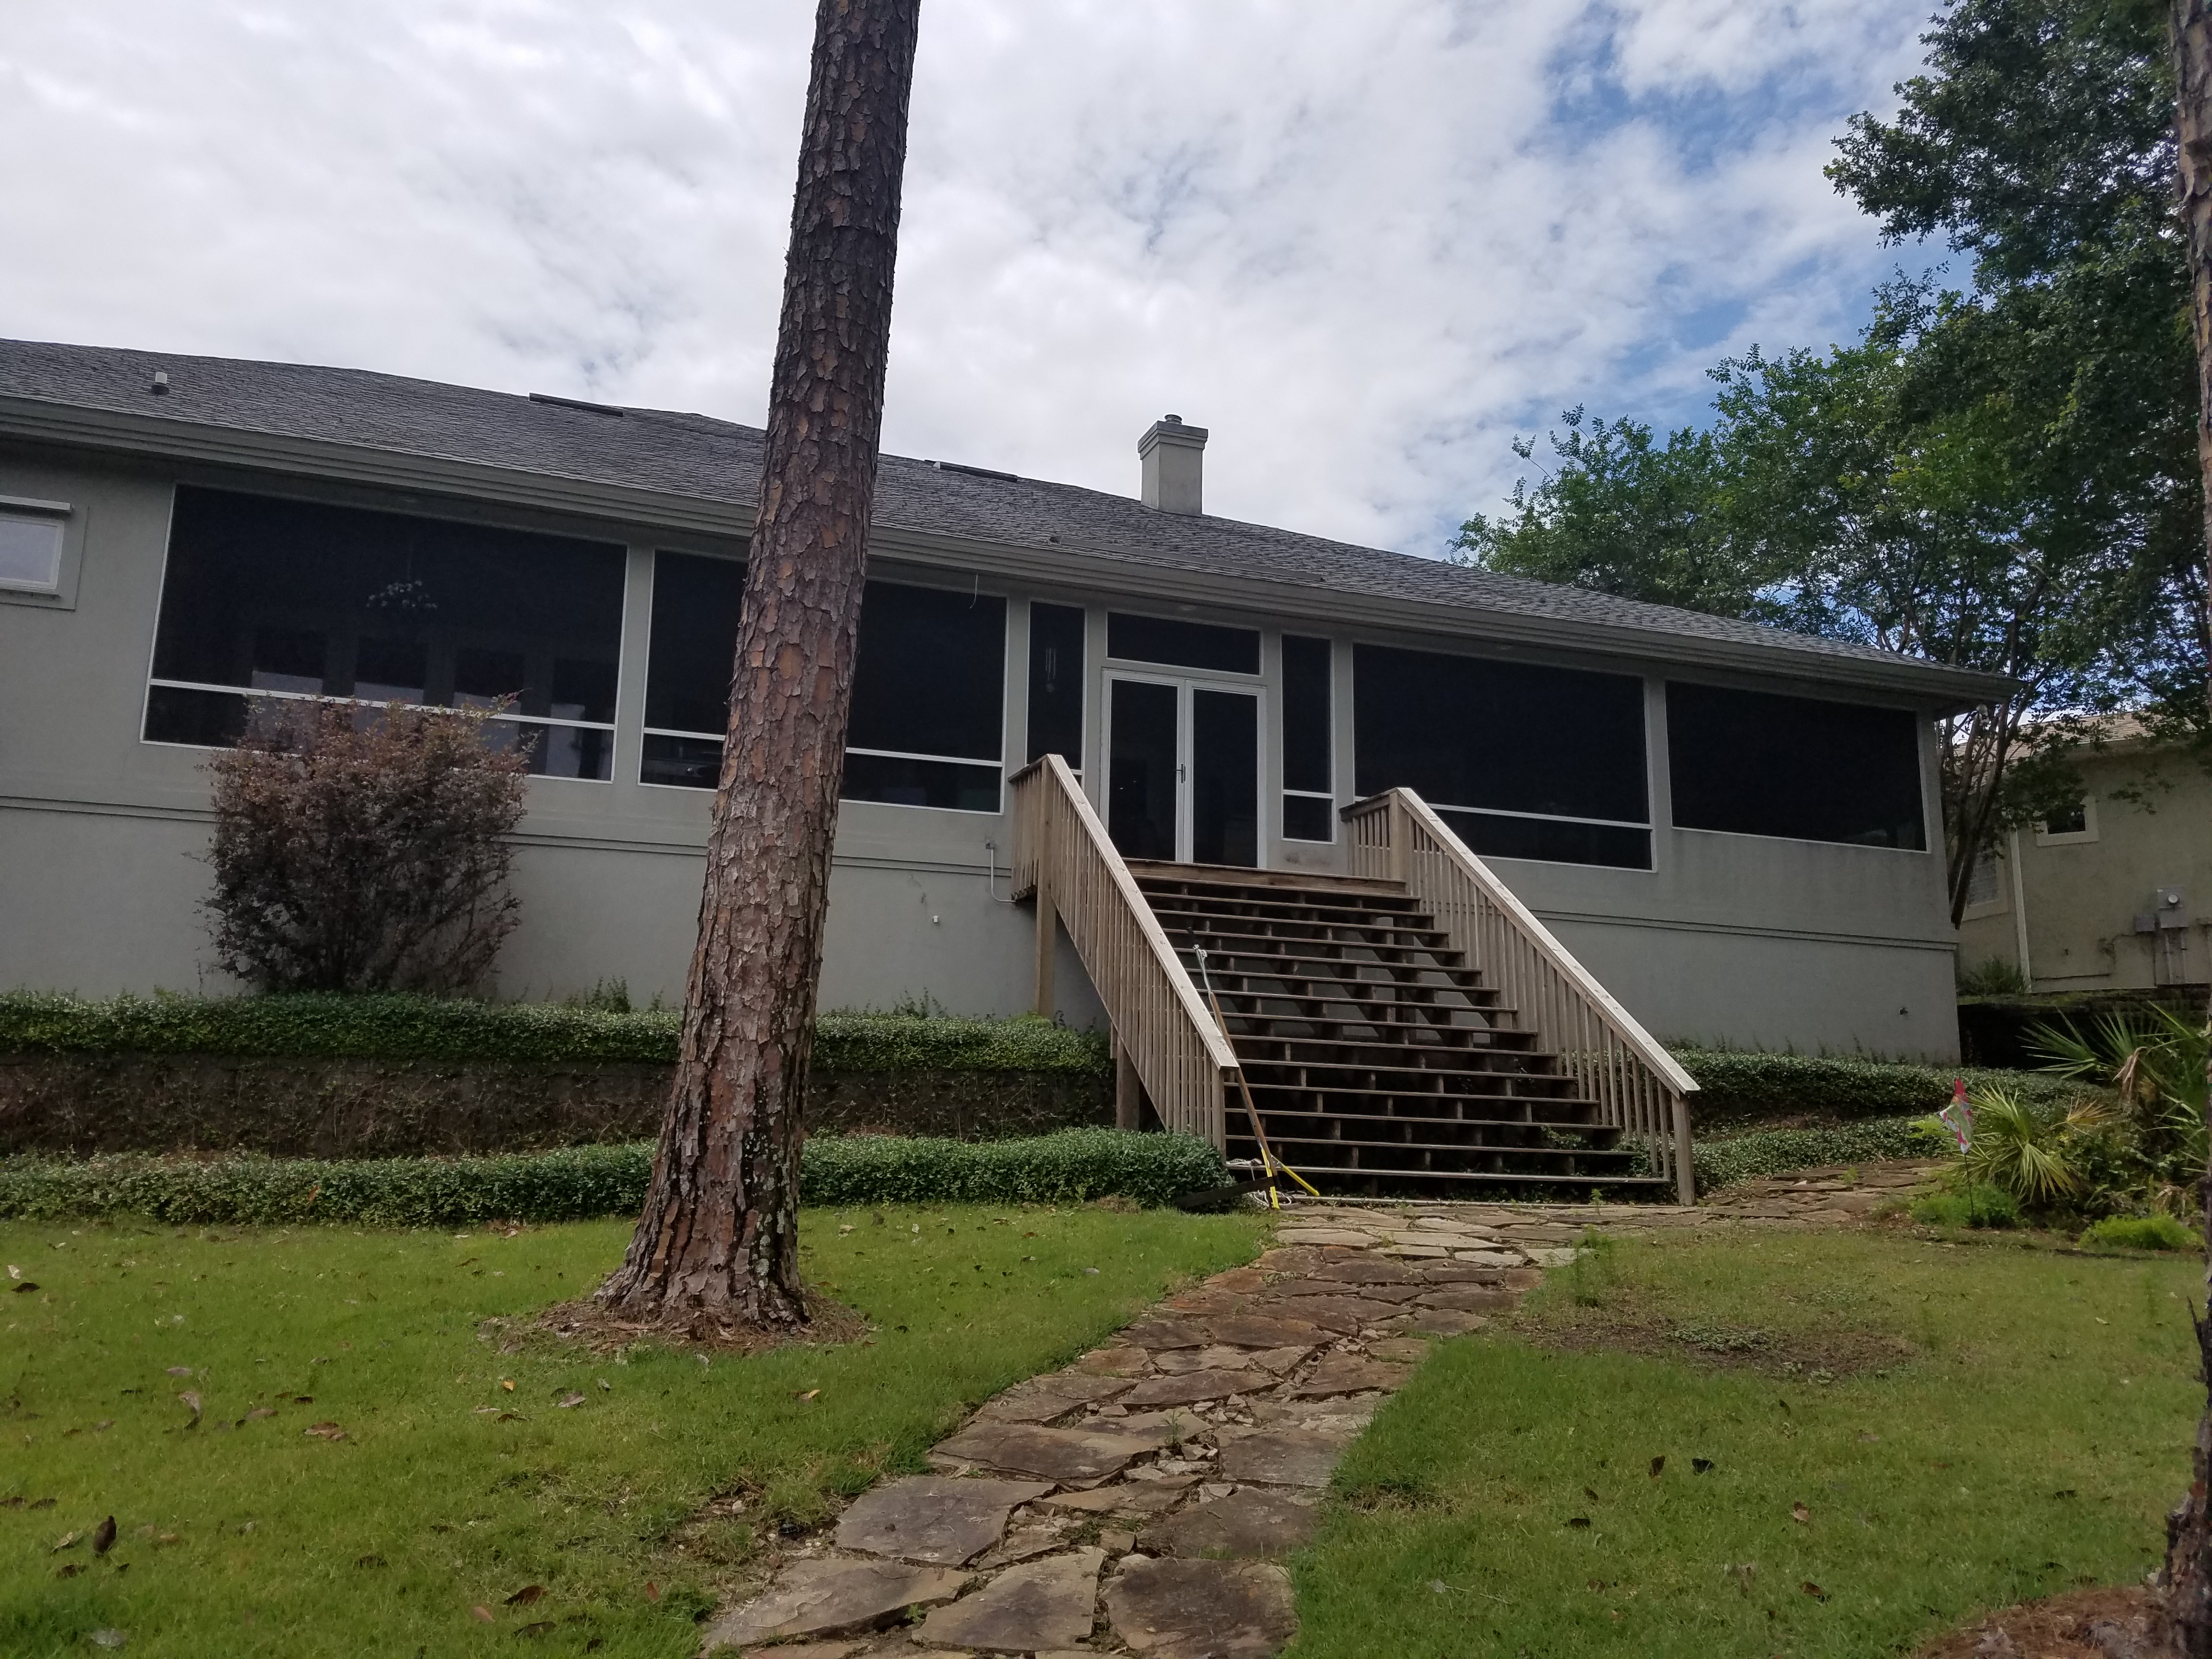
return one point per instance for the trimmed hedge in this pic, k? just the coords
(578, 1183)
(424, 1028)
(1744, 1088)
(1776, 1151)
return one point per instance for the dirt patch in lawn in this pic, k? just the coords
(2103, 1623)
(584, 1323)
(1817, 1356)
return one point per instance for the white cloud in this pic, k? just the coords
(1363, 244)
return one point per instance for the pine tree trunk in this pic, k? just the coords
(2187, 1577)
(718, 1244)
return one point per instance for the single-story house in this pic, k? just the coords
(2113, 893)
(1733, 830)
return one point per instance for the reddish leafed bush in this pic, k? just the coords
(360, 849)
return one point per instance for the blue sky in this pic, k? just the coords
(1364, 244)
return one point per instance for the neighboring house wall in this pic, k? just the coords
(1755, 940)
(2077, 902)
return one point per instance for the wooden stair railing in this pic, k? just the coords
(1638, 1086)
(1161, 1030)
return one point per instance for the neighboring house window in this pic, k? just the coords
(1523, 762)
(268, 599)
(31, 544)
(687, 675)
(1985, 885)
(1753, 764)
(1182, 644)
(1056, 683)
(1308, 781)
(2074, 824)
(928, 687)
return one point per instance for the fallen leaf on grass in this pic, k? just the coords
(526, 1595)
(1578, 1519)
(1591, 1492)
(369, 1561)
(482, 1611)
(1799, 1514)
(303, 1399)
(608, 1385)
(27, 1284)
(568, 1399)
(190, 1401)
(1814, 1590)
(44, 1502)
(510, 1417)
(651, 1590)
(103, 1536)
(69, 1540)
(811, 1394)
(69, 1571)
(180, 1371)
(108, 1638)
(1701, 1466)
(1658, 1464)
(257, 1413)
(15, 1271)
(506, 1383)
(325, 1432)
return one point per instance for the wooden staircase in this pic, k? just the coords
(1379, 1060)
(1410, 1030)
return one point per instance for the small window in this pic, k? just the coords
(1056, 683)
(1756, 764)
(1182, 644)
(2074, 823)
(1308, 783)
(1983, 883)
(266, 598)
(30, 545)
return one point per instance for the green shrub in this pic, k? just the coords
(1992, 977)
(424, 1028)
(2141, 1232)
(1776, 1152)
(578, 1182)
(1977, 1204)
(1742, 1088)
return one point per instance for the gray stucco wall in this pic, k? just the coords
(1757, 942)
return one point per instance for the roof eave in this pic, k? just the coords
(46, 420)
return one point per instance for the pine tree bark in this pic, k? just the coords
(717, 1247)
(2186, 1578)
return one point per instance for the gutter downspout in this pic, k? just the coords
(2019, 909)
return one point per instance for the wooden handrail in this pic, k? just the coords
(1063, 856)
(1638, 1087)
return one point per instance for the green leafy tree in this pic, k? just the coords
(2002, 479)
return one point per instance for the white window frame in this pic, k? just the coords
(28, 509)
(2086, 833)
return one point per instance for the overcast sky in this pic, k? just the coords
(1365, 244)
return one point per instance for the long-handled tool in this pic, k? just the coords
(1269, 1164)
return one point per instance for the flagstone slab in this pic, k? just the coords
(1059, 1454)
(1120, 1361)
(1291, 1294)
(1277, 1361)
(1262, 1331)
(1043, 1398)
(1368, 1270)
(1416, 1252)
(1254, 1524)
(1467, 1272)
(1154, 1335)
(1172, 1609)
(1281, 1457)
(1048, 1603)
(1350, 1374)
(1039, 1537)
(1406, 1350)
(1343, 1314)
(1192, 1387)
(806, 1650)
(1444, 1321)
(1326, 1236)
(1215, 1359)
(1471, 1298)
(1138, 1498)
(826, 1595)
(928, 1517)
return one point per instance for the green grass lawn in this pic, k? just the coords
(248, 1535)
(1962, 1427)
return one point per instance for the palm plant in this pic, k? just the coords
(2157, 1069)
(2027, 1151)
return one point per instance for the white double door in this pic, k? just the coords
(1182, 769)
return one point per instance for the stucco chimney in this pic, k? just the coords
(1174, 456)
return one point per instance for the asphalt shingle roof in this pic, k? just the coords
(696, 457)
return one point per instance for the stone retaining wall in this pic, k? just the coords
(308, 1108)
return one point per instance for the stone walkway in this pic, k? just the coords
(1140, 1500)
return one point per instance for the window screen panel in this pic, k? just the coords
(1182, 644)
(1474, 733)
(931, 674)
(696, 601)
(1306, 714)
(1308, 817)
(1552, 840)
(289, 598)
(1056, 683)
(902, 780)
(1757, 763)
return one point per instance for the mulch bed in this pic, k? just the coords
(585, 1323)
(2102, 1623)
